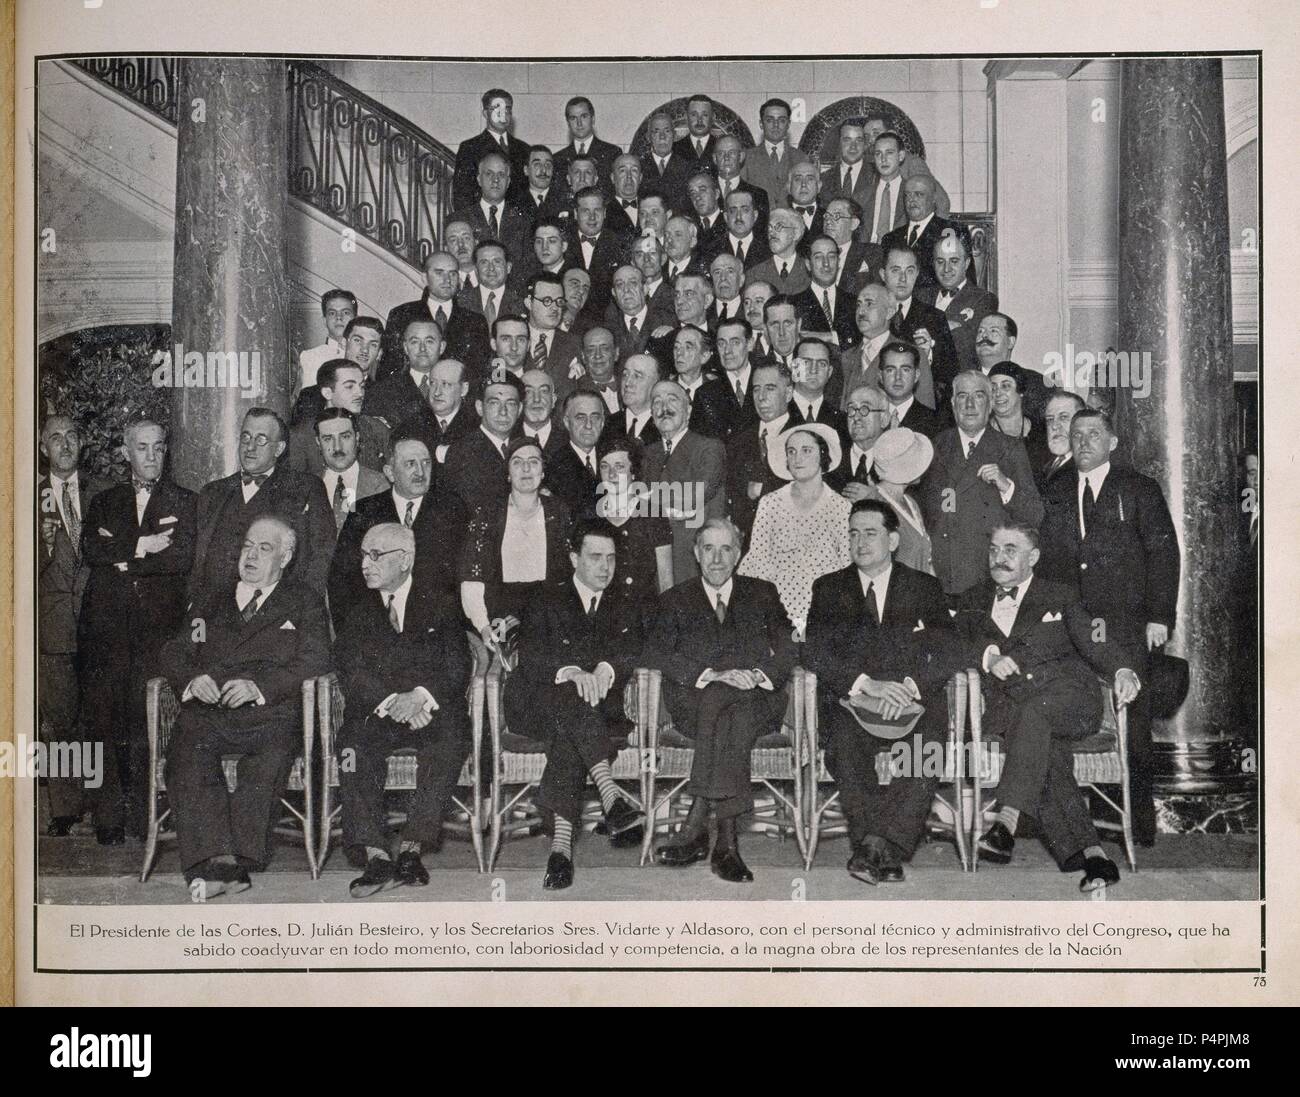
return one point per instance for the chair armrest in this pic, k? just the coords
(161, 708)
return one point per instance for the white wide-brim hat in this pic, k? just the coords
(776, 447)
(901, 456)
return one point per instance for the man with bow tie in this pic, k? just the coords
(599, 358)
(803, 187)
(264, 485)
(768, 165)
(236, 664)
(138, 541)
(622, 213)
(404, 666)
(1040, 653)
(598, 247)
(879, 638)
(962, 302)
(64, 494)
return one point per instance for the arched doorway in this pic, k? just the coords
(821, 139)
(726, 122)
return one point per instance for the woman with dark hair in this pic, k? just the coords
(1010, 383)
(644, 541)
(512, 547)
(801, 531)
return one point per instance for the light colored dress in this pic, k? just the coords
(790, 547)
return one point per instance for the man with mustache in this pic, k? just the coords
(1061, 407)
(995, 339)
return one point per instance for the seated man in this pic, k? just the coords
(404, 666)
(879, 636)
(237, 667)
(724, 645)
(1031, 638)
(578, 645)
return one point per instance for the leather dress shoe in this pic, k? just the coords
(410, 870)
(559, 872)
(891, 866)
(110, 836)
(1098, 872)
(864, 865)
(680, 853)
(379, 873)
(996, 844)
(61, 826)
(727, 865)
(622, 817)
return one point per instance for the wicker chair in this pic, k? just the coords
(1101, 759)
(161, 708)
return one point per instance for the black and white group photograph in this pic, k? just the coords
(646, 479)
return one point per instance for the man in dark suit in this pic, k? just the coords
(749, 470)
(363, 346)
(923, 230)
(649, 256)
(768, 164)
(475, 465)
(745, 239)
(727, 277)
(851, 176)
(498, 110)
(550, 252)
(237, 668)
(623, 213)
(681, 249)
(544, 196)
(551, 350)
(662, 166)
(824, 306)
(723, 642)
(573, 474)
(64, 496)
(732, 341)
(698, 143)
(538, 419)
(813, 400)
(597, 248)
(599, 359)
(879, 638)
(490, 215)
(858, 262)
(978, 480)
(342, 386)
(264, 485)
(404, 665)
(580, 116)
(995, 339)
(641, 373)
(490, 296)
(577, 648)
(867, 410)
(464, 333)
(683, 457)
(883, 204)
(714, 411)
(1109, 535)
(922, 324)
(345, 478)
(1031, 638)
(956, 295)
(1058, 413)
(710, 225)
(437, 518)
(900, 369)
(629, 316)
(728, 162)
(443, 415)
(803, 191)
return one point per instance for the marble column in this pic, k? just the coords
(1174, 303)
(230, 298)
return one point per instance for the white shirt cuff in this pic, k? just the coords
(764, 682)
(1006, 495)
(990, 653)
(560, 674)
(860, 684)
(700, 682)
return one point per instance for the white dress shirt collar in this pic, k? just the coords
(398, 598)
(400, 501)
(244, 591)
(879, 585)
(714, 593)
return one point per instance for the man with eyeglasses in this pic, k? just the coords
(867, 415)
(138, 541)
(548, 348)
(404, 666)
(857, 261)
(437, 518)
(342, 385)
(263, 486)
(464, 333)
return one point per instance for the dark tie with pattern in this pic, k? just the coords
(494, 223)
(591, 607)
(740, 251)
(912, 234)
(71, 519)
(409, 520)
(490, 309)
(250, 607)
(539, 352)
(391, 600)
(871, 603)
(970, 449)
(424, 388)
(340, 503)
(441, 317)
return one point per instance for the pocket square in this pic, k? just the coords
(920, 626)
(103, 532)
(1049, 617)
(168, 520)
(288, 625)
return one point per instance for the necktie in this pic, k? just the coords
(259, 479)
(145, 486)
(970, 448)
(582, 149)
(393, 619)
(826, 305)
(591, 607)
(720, 608)
(424, 388)
(409, 520)
(1089, 504)
(773, 154)
(872, 609)
(740, 251)
(859, 471)
(591, 465)
(762, 447)
(668, 448)
(893, 418)
(846, 184)
(699, 148)
(883, 218)
(340, 504)
(631, 327)
(250, 607)
(494, 224)
(740, 393)
(502, 142)
(442, 426)
(784, 268)
(71, 519)
(662, 164)
(1005, 592)
(490, 309)
(539, 352)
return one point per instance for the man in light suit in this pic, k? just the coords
(723, 642)
(879, 634)
(695, 464)
(498, 114)
(978, 479)
(963, 303)
(64, 495)
(1031, 638)
(404, 665)
(785, 269)
(1108, 534)
(768, 165)
(860, 364)
(345, 478)
(238, 679)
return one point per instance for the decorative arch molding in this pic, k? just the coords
(820, 138)
(726, 123)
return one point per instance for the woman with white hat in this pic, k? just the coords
(801, 531)
(901, 458)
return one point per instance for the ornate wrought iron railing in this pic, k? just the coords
(349, 156)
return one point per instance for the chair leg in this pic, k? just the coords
(494, 720)
(1126, 795)
(478, 697)
(960, 695)
(649, 685)
(976, 717)
(153, 714)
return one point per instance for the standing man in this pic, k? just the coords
(900, 370)
(962, 302)
(342, 386)
(491, 215)
(464, 334)
(549, 349)
(713, 406)
(884, 204)
(64, 498)
(744, 239)
(577, 648)
(710, 225)
(923, 230)
(623, 213)
(543, 198)
(443, 415)
(138, 540)
(339, 307)
(786, 269)
(851, 176)
(749, 470)
(824, 305)
(490, 296)
(574, 473)
(867, 410)
(860, 364)
(697, 145)
(979, 479)
(539, 410)
(627, 316)
(597, 248)
(732, 343)
(1060, 411)
(662, 165)
(498, 114)
(723, 642)
(804, 188)
(475, 464)
(995, 339)
(1108, 534)
(728, 161)
(857, 262)
(916, 322)
(580, 116)
(599, 359)
(641, 373)
(345, 478)
(768, 166)
(727, 275)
